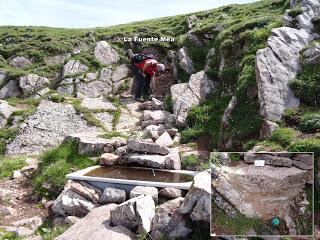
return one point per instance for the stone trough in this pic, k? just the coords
(126, 178)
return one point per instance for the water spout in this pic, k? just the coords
(153, 172)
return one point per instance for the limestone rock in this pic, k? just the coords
(85, 190)
(260, 188)
(7, 211)
(164, 140)
(73, 67)
(121, 151)
(144, 191)
(191, 21)
(159, 116)
(112, 195)
(56, 59)
(197, 200)
(108, 159)
(32, 83)
(105, 54)
(153, 161)
(196, 91)
(136, 213)
(94, 89)
(303, 161)
(3, 75)
(11, 89)
(169, 222)
(156, 104)
(71, 203)
(268, 158)
(121, 72)
(141, 146)
(32, 223)
(170, 193)
(312, 55)
(193, 38)
(106, 118)
(20, 62)
(5, 112)
(96, 225)
(276, 65)
(185, 61)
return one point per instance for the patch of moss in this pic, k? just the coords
(109, 135)
(8, 165)
(49, 179)
(295, 12)
(283, 136)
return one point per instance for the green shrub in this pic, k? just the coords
(310, 122)
(55, 164)
(229, 75)
(295, 12)
(234, 156)
(168, 104)
(292, 116)
(316, 22)
(6, 136)
(307, 86)
(306, 145)
(8, 165)
(191, 134)
(190, 161)
(249, 145)
(283, 136)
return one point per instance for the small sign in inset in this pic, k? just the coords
(259, 163)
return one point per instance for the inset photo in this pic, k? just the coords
(262, 194)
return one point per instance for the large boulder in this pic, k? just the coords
(20, 62)
(276, 65)
(310, 10)
(105, 54)
(5, 112)
(32, 83)
(71, 203)
(170, 193)
(144, 191)
(11, 89)
(185, 96)
(85, 190)
(112, 195)
(119, 75)
(47, 128)
(197, 200)
(96, 225)
(73, 67)
(258, 195)
(135, 214)
(303, 161)
(56, 59)
(168, 222)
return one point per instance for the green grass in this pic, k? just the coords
(310, 122)
(238, 225)
(234, 157)
(55, 164)
(189, 161)
(109, 135)
(295, 12)
(283, 136)
(4, 235)
(6, 136)
(306, 145)
(168, 104)
(49, 232)
(8, 165)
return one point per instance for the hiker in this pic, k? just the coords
(144, 68)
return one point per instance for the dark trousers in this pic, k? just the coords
(143, 83)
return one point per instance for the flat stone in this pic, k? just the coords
(97, 104)
(96, 225)
(11, 89)
(140, 146)
(164, 140)
(303, 161)
(7, 211)
(73, 67)
(268, 158)
(85, 190)
(156, 104)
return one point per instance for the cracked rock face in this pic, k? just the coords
(32, 83)
(46, 128)
(262, 192)
(73, 67)
(279, 63)
(105, 54)
(187, 95)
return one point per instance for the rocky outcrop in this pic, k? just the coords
(187, 95)
(259, 193)
(11, 89)
(169, 222)
(32, 83)
(20, 62)
(96, 225)
(105, 54)
(197, 200)
(185, 61)
(47, 128)
(279, 63)
(5, 112)
(303, 161)
(269, 159)
(73, 67)
(119, 75)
